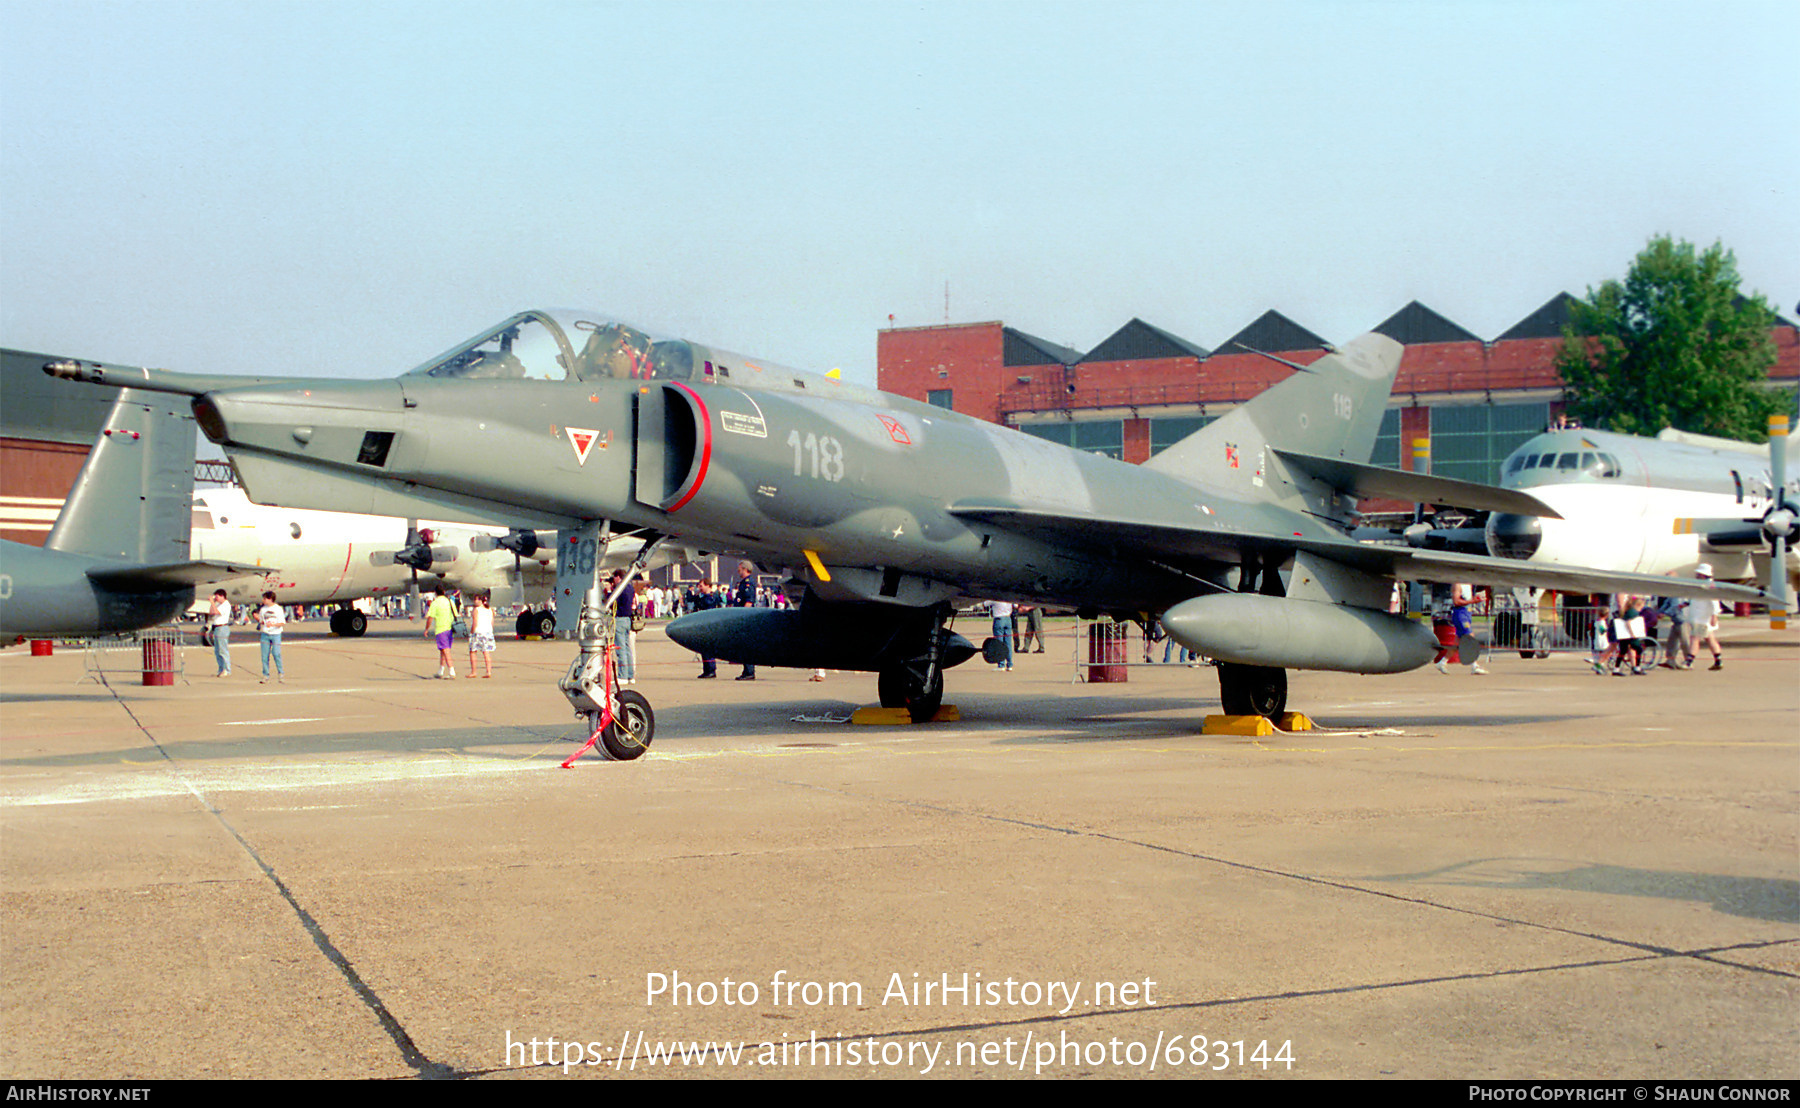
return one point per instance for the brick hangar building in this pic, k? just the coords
(1143, 389)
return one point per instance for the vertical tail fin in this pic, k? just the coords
(133, 499)
(1332, 408)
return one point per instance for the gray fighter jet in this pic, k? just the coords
(884, 510)
(116, 560)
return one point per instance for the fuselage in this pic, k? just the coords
(741, 455)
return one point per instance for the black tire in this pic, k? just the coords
(337, 621)
(524, 626)
(1252, 690)
(632, 728)
(923, 705)
(907, 687)
(546, 624)
(890, 686)
(355, 624)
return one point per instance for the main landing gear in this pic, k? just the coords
(1252, 690)
(542, 624)
(348, 622)
(917, 684)
(1255, 690)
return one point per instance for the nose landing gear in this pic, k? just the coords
(620, 722)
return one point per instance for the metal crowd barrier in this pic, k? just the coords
(1538, 632)
(157, 655)
(1104, 651)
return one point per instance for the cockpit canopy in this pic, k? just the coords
(564, 346)
(1561, 465)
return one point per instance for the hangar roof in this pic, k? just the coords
(1416, 323)
(1019, 348)
(1138, 341)
(1545, 323)
(1271, 332)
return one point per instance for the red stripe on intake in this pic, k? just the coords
(705, 444)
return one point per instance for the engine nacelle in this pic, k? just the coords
(1285, 633)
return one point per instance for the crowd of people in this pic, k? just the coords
(1625, 636)
(1624, 631)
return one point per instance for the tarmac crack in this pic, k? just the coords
(409, 1051)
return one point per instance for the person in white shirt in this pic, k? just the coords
(218, 625)
(481, 636)
(1002, 612)
(271, 620)
(1703, 623)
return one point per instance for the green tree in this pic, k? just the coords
(1673, 345)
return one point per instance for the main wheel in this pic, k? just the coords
(1252, 690)
(908, 686)
(631, 730)
(355, 623)
(546, 624)
(890, 686)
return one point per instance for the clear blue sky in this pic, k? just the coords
(348, 188)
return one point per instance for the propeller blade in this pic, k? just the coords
(412, 589)
(1779, 524)
(1779, 601)
(1778, 440)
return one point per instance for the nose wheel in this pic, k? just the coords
(632, 727)
(620, 722)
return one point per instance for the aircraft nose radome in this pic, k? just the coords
(1514, 536)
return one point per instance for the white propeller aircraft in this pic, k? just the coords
(339, 557)
(1656, 506)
